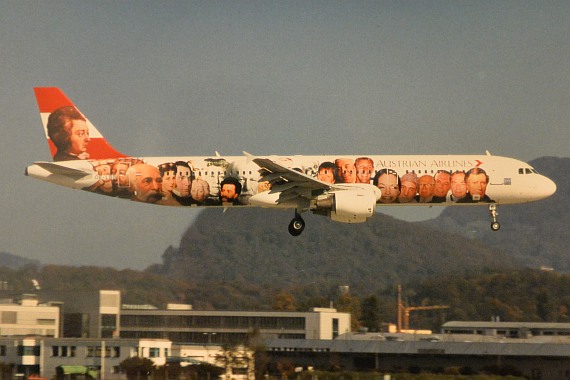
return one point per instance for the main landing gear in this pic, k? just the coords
(495, 225)
(297, 225)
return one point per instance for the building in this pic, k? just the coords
(198, 326)
(27, 316)
(540, 357)
(101, 357)
(87, 314)
(238, 361)
(506, 329)
(99, 314)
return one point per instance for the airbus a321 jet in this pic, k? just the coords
(344, 188)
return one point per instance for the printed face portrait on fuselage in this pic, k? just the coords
(230, 189)
(183, 179)
(408, 188)
(442, 184)
(364, 169)
(346, 172)
(69, 132)
(146, 183)
(327, 172)
(458, 185)
(427, 185)
(476, 182)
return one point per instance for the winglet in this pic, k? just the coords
(249, 156)
(92, 146)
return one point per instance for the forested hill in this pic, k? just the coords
(534, 233)
(253, 246)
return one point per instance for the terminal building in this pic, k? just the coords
(100, 314)
(231, 326)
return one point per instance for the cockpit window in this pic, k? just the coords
(527, 171)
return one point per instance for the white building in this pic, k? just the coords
(45, 356)
(28, 317)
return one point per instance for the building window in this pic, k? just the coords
(28, 350)
(55, 351)
(108, 325)
(154, 352)
(9, 317)
(2, 350)
(45, 321)
(93, 351)
(334, 327)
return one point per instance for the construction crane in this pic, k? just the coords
(404, 311)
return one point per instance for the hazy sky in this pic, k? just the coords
(268, 77)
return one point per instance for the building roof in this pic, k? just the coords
(503, 325)
(444, 345)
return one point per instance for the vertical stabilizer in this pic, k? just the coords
(70, 135)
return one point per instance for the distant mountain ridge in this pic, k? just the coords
(536, 233)
(16, 262)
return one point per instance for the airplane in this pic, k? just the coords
(345, 188)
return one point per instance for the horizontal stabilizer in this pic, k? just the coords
(63, 170)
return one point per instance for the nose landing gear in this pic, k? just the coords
(495, 225)
(297, 225)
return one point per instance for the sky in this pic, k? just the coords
(268, 77)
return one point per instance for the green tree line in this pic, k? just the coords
(512, 295)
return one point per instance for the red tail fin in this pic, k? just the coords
(70, 135)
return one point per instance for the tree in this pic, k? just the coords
(284, 301)
(350, 304)
(370, 314)
(137, 367)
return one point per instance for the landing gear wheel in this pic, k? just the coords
(495, 225)
(296, 226)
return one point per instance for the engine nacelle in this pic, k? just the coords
(353, 205)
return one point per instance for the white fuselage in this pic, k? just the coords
(509, 180)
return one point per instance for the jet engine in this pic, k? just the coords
(353, 205)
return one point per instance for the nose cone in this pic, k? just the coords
(546, 188)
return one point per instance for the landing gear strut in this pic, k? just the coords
(495, 225)
(297, 225)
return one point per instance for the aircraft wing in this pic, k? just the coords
(289, 182)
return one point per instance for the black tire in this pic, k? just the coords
(296, 226)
